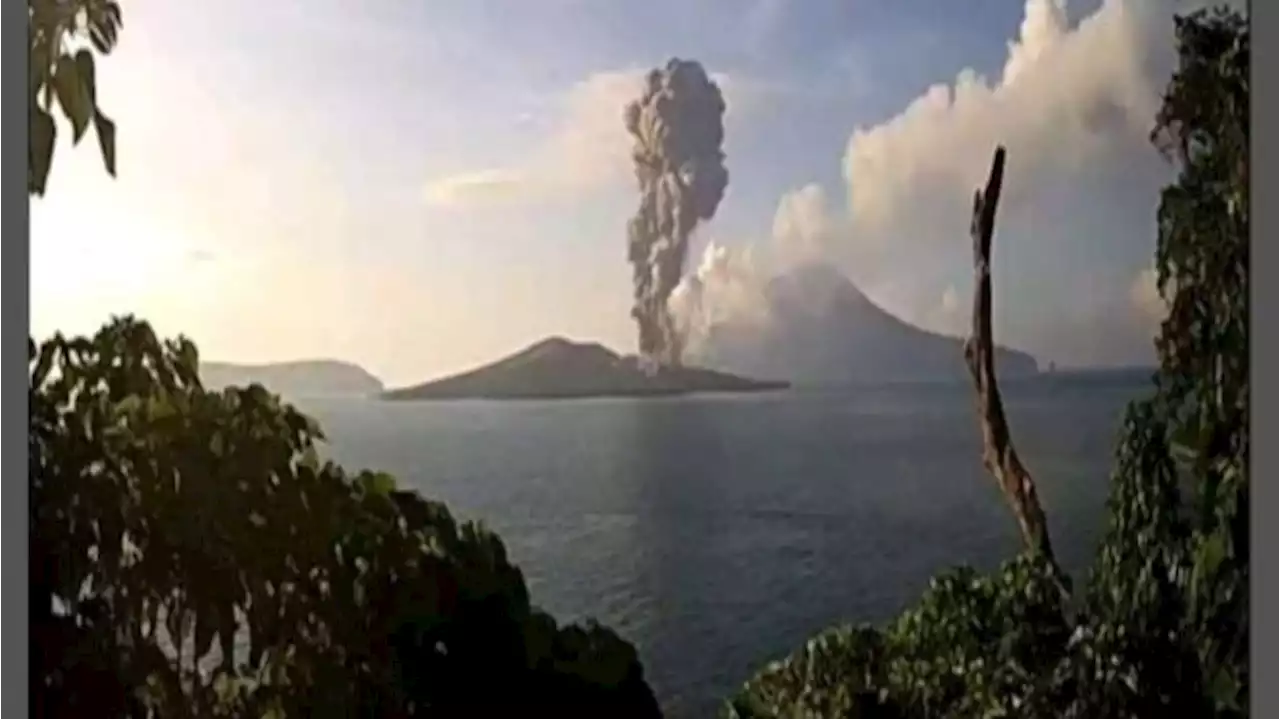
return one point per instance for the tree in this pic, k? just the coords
(1172, 577)
(1161, 626)
(192, 556)
(63, 73)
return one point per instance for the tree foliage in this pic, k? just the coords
(1161, 626)
(193, 556)
(63, 36)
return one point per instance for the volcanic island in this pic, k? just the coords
(558, 368)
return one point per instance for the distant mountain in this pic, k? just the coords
(305, 378)
(825, 331)
(557, 368)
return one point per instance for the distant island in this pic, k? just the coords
(823, 331)
(558, 368)
(303, 378)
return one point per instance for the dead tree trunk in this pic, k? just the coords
(998, 453)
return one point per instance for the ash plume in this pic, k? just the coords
(677, 125)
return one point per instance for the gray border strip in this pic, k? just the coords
(15, 277)
(1263, 359)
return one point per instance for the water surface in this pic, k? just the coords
(718, 533)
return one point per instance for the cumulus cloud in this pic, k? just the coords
(588, 149)
(1074, 105)
(802, 226)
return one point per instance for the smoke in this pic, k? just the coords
(1073, 102)
(725, 287)
(677, 126)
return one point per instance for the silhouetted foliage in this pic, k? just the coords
(1161, 626)
(63, 36)
(193, 556)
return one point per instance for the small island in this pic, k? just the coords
(296, 379)
(557, 368)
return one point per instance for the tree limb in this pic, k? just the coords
(998, 454)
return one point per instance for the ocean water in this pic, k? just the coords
(718, 533)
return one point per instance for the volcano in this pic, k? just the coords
(822, 330)
(557, 368)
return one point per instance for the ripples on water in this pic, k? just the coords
(718, 533)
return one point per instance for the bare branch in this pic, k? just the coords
(998, 454)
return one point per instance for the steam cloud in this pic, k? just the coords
(677, 125)
(1073, 102)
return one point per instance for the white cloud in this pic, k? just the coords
(1073, 105)
(1067, 98)
(802, 226)
(587, 150)
(456, 190)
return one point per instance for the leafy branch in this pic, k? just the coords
(63, 36)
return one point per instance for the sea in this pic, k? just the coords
(718, 533)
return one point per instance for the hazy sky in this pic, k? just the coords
(421, 185)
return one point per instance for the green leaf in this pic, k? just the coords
(205, 631)
(70, 90)
(40, 150)
(104, 25)
(43, 364)
(111, 17)
(129, 405)
(106, 130)
(190, 359)
(1212, 551)
(88, 76)
(309, 459)
(48, 92)
(378, 483)
(99, 40)
(1224, 689)
(37, 69)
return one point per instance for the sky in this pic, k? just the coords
(420, 187)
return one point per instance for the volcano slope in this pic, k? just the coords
(557, 368)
